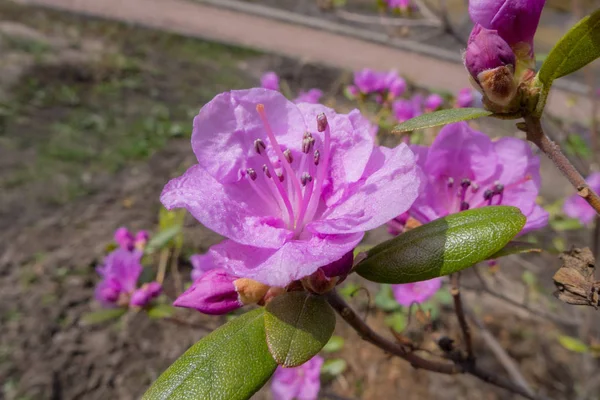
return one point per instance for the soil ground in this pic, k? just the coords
(94, 119)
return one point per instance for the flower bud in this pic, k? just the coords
(515, 20)
(218, 292)
(141, 238)
(491, 62)
(270, 80)
(139, 298)
(124, 238)
(433, 102)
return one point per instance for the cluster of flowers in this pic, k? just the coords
(120, 272)
(402, 7)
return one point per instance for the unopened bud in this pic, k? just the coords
(213, 293)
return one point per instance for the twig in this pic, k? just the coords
(536, 134)
(460, 314)
(175, 270)
(538, 313)
(460, 365)
(162, 265)
(507, 362)
(386, 21)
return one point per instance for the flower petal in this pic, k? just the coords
(231, 210)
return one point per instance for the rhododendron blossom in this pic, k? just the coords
(311, 96)
(465, 169)
(299, 383)
(416, 292)
(576, 207)
(292, 187)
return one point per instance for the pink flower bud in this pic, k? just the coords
(139, 298)
(491, 63)
(270, 80)
(213, 293)
(515, 20)
(433, 102)
(124, 238)
(141, 238)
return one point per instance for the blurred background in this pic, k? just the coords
(96, 105)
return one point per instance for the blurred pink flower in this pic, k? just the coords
(576, 207)
(416, 292)
(312, 96)
(269, 80)
(299, 383)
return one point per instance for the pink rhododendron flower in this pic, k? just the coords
(312, 96)
(433, 102)
(576, 207)
(406, 109)
(270, 80)
(465, 98)
(416, 292)
(465, 169)
(292, 187)
(126, 240)
(299, 383)
(369, 81)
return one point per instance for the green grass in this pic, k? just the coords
(122, 105)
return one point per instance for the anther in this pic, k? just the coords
(288, 155)
(488, 194)
(317, 157)
(280, 176)
(251, 173)
(450, 182)
(465, 183)
(474, 187)
(307, 143)
(305, 178)
(498, 188)
(259, 145)
(464, 206)
(321, 122)
(266, 170)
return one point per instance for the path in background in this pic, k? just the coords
(199, 20)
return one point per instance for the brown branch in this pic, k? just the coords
(460, 314)
(461, 365)
(536, 135)
(507, 362)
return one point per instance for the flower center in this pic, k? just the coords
(292, 185)
(465, 194)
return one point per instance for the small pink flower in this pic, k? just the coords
(312, 96)
(292, 187)
(433, 102)
(270, 81)
(299, 383)
(120, 272)
(416, 292)
(576, 207)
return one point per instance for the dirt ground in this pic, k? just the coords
(94, 119)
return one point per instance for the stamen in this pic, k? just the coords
(474, 187)
(317, 157)
(487, 196)
(307, 142)
(280, 176)
(259, 146)
(450, 182)
(306, 178)
(322, 166)
(288, 156)
(322, 123)
(465, 183)
(266, 170)
(464, 206)
(499, 190)
(251, 173)
(260, 108)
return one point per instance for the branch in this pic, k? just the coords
(507, 362)
(460, 314)
(461, 365)
(536, 134)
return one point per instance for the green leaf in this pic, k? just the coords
(100, 316)
(348, 290)
(396, 321)
(576, 146)
(334, 367)
(336, 343)
(577, 48)
(442, 247)
(573, 344)
(384, 299)
(442, 117)
(298, 325)
(161, 311)
(565, 224)
(516, 248)
(162, 238)
(231, 363)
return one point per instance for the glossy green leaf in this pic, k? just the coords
(573, 344)
(100, 316)
(231, 363)
(161, 311)
(516, 248)
(577, 48)
(298, 325)
(442, 117)
(442, 247)
(336, 343)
